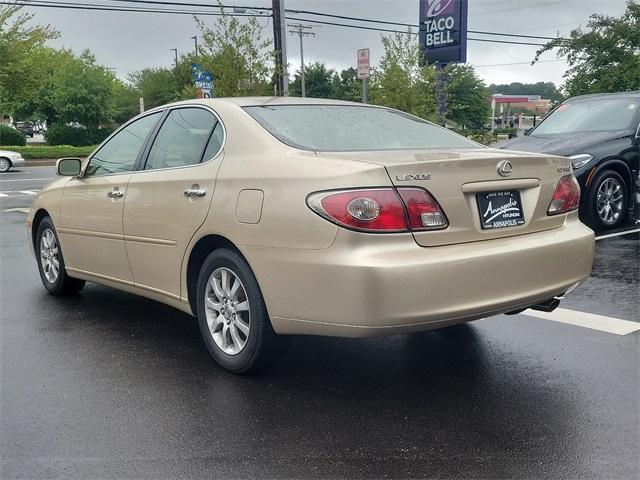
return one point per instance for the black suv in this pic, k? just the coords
(26, 128)
(601, 135)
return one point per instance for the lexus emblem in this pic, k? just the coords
(505, 168)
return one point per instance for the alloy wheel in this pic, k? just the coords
(227, 311)
(4, 164)
(49, 255)
(610, 201)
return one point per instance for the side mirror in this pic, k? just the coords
(69, 167)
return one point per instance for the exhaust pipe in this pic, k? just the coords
(546, 306)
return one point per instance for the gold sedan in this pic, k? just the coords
(268, 217)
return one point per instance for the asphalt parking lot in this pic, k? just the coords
(110, 385)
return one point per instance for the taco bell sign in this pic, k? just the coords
(443, 30)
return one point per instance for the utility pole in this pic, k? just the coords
(175, 51)
(300, 30)
(195, 39)
(280, 45)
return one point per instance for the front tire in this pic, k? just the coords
(51, 262)
(606, 201)
(232, 315)
(5, 165)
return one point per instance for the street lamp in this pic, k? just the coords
(195, 39)
(175, 51)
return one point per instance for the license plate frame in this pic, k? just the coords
(500, 209)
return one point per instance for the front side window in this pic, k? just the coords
(345, 128)
(182, 139)
(120, 153)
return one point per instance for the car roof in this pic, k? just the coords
(630, 94)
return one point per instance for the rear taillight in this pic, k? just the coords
(422, 209)
(566, 196)
(379, 209)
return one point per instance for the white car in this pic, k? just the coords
(10, 159)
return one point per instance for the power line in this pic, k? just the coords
(363, 27)
(103, 7)
(108, 8)
(516, 63)
(401, 24)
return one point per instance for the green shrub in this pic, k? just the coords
(99, 135)
(11, 136)
(58, 151)
(58, 134)
(76, 136)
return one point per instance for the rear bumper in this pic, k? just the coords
(366, 285)
(17, 162)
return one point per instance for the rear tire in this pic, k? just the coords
(606, 201)
(5, 164)
(51, 262)
(233, 317)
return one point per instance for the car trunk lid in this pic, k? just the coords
(456, 178)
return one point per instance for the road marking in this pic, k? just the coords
(28, 192)
(21, 210)
(587, 320)
(626, 232)
(3, 195)
(28, 179)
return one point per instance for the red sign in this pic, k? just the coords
(364, 66)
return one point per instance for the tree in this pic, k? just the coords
(604, 59)
(156, 85)
(18, 38)
(401, 81)
(318, 81)
(467, 103)
(346, 85)
(81, 91)
(125, 103)
(237, 56)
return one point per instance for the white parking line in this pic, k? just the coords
(587, 320)
(626, 232)
(28, 179)
(28, 192)
(20, 209)
(3, 195)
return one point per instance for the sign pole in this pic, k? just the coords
(365, 90)
(441, 94)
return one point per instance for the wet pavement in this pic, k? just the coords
(110, 385)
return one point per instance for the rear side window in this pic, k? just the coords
(182, 139)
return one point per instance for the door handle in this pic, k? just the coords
(115, 193)
(195, 192)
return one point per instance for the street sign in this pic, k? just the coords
(203, 81)
(443, 30)
(364, 65)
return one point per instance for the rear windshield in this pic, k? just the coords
(347, 128)
(591, 115)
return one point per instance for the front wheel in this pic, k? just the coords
(232, 315)
(5, 165)
(51, 262)
(606, 201)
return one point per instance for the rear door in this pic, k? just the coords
(169, 198)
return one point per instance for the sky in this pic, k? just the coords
(129, 41)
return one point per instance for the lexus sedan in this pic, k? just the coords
(10, 159)
(601, 135)
(268, 217)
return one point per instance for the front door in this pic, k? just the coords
(169, 200)
(90, 224)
